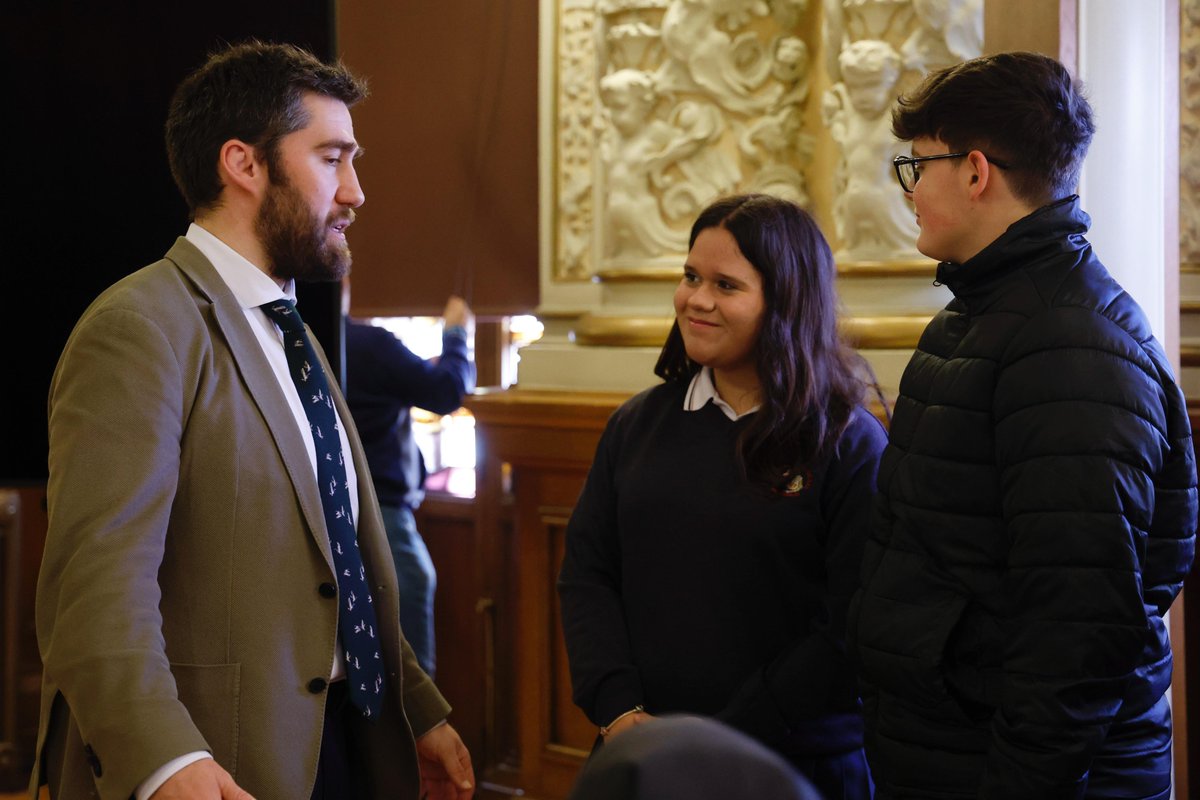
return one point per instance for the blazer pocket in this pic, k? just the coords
(212, 694)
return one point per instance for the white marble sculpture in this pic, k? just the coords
(875, 49)
(776, 141)
(947, 32)
(731, 70)
(638, 151)
(873, 219)
(575, 126)
(696, 98)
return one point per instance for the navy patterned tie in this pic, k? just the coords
(356, 613)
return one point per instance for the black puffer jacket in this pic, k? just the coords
(1036, 517)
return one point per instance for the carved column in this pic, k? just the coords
(1189, 135)
(1185, 614)
(1189, 197)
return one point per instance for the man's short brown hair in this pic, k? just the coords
(253, 91)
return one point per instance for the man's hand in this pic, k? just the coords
(445, 765)
(201, 780)
(457, 312)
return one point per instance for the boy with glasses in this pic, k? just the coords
(1037, 501)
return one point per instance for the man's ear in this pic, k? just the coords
(978, 173)
(240, 166)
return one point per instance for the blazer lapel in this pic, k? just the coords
(230, 320)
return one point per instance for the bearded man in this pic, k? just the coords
(217, 610)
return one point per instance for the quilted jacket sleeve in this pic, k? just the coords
(1099, 504)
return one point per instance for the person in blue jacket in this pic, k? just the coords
(1036, 513)
(718, 538)
(384, 381)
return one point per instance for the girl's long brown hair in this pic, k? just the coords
(811, 381)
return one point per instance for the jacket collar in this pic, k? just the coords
(1052, 229)
(229, 318)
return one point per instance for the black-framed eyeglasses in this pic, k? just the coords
(908, 172)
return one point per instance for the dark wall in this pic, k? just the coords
(92, 198)
(451, 165)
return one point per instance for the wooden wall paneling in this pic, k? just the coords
(570, 729)
(23, 540)
(1185, 702)
(1185, 639)
(451, 170)
(492, 344)
(447, 523)
(536, 447)
(497, 765)
(545, 493)
(1042, 26)
(10, 556)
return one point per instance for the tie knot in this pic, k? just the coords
(285, 315)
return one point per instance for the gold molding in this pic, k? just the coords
(919, 268)
(884, 333)
(887, 269)
(1189, 306)
(559, 313)
(1189, 266)
(1189, 356)
(640, 275)
(594, 330)
(867, 333)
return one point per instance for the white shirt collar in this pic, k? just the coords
(250, 285)
(702, 389)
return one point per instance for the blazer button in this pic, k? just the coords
(317, 685)
(94, 760)
(327, 590)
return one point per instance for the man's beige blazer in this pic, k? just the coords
(184, 599)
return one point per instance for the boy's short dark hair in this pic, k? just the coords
(253, 91)
(1022, 108)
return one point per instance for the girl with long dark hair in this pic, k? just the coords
(717, 541)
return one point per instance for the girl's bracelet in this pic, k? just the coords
(606, 729)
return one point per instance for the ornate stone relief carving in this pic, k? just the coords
(663, 105)
(1189, 133)
(574, 134)
(876, 49)
(946, 32)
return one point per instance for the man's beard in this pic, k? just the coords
(297, 244)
